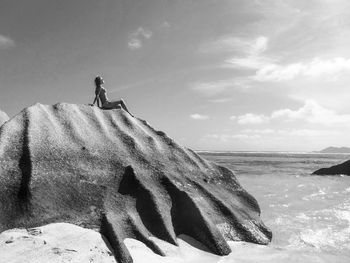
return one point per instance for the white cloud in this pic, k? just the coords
(290, 132)
(6, 42)
(270, 135)
(268, 69)
(310, 112)
(251, 118)
(314, 68)
(230, 137)
(221, 100)
(144, 32)
(235, 44)
(224, 44)
(137, 38)
(210, 88)
(284, 139)
(258, 131)
(251, 56)
(135, 43)
(307, 132)
(259, 45)
(197, 116)
(213, 88)
(165, 25)
(249, 62)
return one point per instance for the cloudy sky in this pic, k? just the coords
(213, 74)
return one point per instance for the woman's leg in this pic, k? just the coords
(116, 105)
(109, 105)
(122, 103)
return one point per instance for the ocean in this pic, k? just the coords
(309, 215)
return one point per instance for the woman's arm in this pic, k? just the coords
(94, 100)
(97, 98)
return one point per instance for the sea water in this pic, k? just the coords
(309, 215)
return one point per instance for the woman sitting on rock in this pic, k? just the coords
(101, 95)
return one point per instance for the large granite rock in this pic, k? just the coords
(82, 165)
(343, 168)
(3, 117)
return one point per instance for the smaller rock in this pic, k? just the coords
(56, 251)
(343, 168)
(71, 250)
(34, 231)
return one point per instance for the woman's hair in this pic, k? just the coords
(98, 80)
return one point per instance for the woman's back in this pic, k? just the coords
(101, 93)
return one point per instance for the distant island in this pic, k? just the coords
(336, 150)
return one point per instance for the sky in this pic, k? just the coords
(224, 75)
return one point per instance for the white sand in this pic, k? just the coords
(53, 243)
(242, 252)
(62, 242)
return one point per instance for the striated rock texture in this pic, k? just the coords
(3, 117)
(94, 168)
(343, 168)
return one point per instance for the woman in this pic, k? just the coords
(101, 95)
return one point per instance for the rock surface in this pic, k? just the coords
(3, 117)
(54, 243)
(343, 168)
(106, 169)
